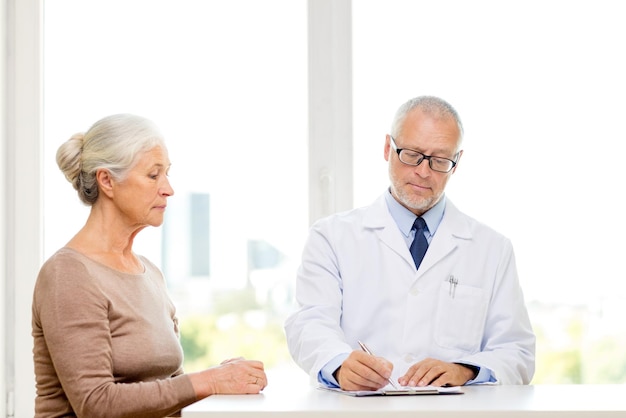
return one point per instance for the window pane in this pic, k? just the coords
(226, 82)
(538, 84)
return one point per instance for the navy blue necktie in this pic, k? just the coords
(420, 243)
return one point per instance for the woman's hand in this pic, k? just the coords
(232, 376)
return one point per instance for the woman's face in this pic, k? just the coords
(142, 197)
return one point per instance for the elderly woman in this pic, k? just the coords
(106, 338)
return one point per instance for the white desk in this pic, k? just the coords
(289, 399)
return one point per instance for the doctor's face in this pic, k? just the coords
(419, 188)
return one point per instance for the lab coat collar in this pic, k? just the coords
(453, 227)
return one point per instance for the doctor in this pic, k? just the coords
(456, 316)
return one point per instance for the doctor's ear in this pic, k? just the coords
(460, 154)
(387, 149)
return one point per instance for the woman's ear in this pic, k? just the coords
(105, 182)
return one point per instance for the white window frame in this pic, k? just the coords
(330, 107)
(22, 196)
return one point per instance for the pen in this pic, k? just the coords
(367, 350)
(453, 282)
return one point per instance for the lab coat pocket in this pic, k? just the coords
(460, 318)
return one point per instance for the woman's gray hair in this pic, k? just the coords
(430, 105)
(112, 143)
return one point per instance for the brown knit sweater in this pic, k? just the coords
(106, 343)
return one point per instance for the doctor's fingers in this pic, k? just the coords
(351, 379)
(425, 372)
(380, 365)
(363, 373)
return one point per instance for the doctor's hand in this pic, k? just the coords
(437, 373)
(362, 371)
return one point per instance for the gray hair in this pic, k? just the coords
(428, 104)
(112, 143)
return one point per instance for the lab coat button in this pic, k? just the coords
(414, 292)
(408, 358)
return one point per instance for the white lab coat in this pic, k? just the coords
(357, 281)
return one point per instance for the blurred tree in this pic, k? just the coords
(208, 340)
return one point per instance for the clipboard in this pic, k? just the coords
(402, 391)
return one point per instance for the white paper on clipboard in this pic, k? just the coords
(402, 391)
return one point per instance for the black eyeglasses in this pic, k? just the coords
(412, 157)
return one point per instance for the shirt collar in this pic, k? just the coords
(404, 218)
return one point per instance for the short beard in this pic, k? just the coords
(413, 203)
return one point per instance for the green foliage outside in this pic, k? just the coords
(208, 340)
(609, 360)
(558, 362)
(237, 327)
(567, 353)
